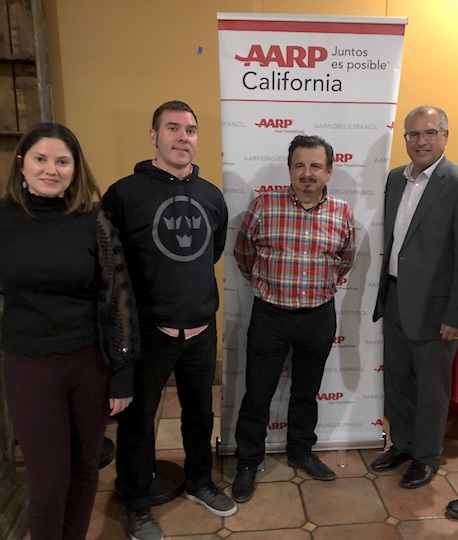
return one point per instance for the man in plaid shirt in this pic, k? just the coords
(294, 246)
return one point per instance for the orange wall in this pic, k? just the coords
(114, 61)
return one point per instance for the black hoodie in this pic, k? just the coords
(173, 232)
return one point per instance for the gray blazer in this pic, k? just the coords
(428, 260)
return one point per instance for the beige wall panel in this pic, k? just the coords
(429, 71)
(375, 8)
(113, 62)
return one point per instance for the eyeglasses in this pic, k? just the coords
(429, 135)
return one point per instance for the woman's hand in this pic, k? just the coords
(117, 405)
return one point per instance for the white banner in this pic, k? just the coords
(336, 77)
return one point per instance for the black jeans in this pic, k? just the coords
(272, 331)
(193, 362)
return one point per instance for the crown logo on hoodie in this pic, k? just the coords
(174, 224)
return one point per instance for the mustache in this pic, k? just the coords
(307, 179)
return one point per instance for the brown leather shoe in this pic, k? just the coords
(389, 460)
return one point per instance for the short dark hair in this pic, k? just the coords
(310, 141)
(170, 106)
(79, 196)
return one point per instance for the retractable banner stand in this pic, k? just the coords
(336, 77)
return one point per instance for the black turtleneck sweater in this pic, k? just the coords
(50, 278)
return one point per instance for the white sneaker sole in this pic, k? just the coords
(221, 513)
(132, 537)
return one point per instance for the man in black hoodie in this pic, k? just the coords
(173, 226)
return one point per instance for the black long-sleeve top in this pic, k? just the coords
(65, 286)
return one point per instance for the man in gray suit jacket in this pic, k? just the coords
(418, 297)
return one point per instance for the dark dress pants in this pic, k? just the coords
(417, 376)
(272, 331)
(59, 406)
(193, 362)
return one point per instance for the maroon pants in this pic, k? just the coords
(59, 407)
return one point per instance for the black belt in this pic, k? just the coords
(393, 279)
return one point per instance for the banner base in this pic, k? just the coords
(280, 447)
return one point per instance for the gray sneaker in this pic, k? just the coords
(142, 526)
(214, 499)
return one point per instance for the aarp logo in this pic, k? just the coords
(329, 396)
(342, 158)
(277, 425)
(274, 123)
(284, 56)
(266, 189)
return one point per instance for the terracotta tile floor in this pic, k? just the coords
(287, 504)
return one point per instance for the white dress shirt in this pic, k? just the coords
(413, 191)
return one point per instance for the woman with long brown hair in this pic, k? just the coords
(69, 328)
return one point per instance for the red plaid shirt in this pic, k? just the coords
(295, 257)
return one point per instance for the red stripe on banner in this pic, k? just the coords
(310, 101)
(319, 27)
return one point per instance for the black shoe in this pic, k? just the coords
(313, 466)
(417, 475)
(243, 485)
(118, 490)
(452, 508)
(389, 460)
(108, 453)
